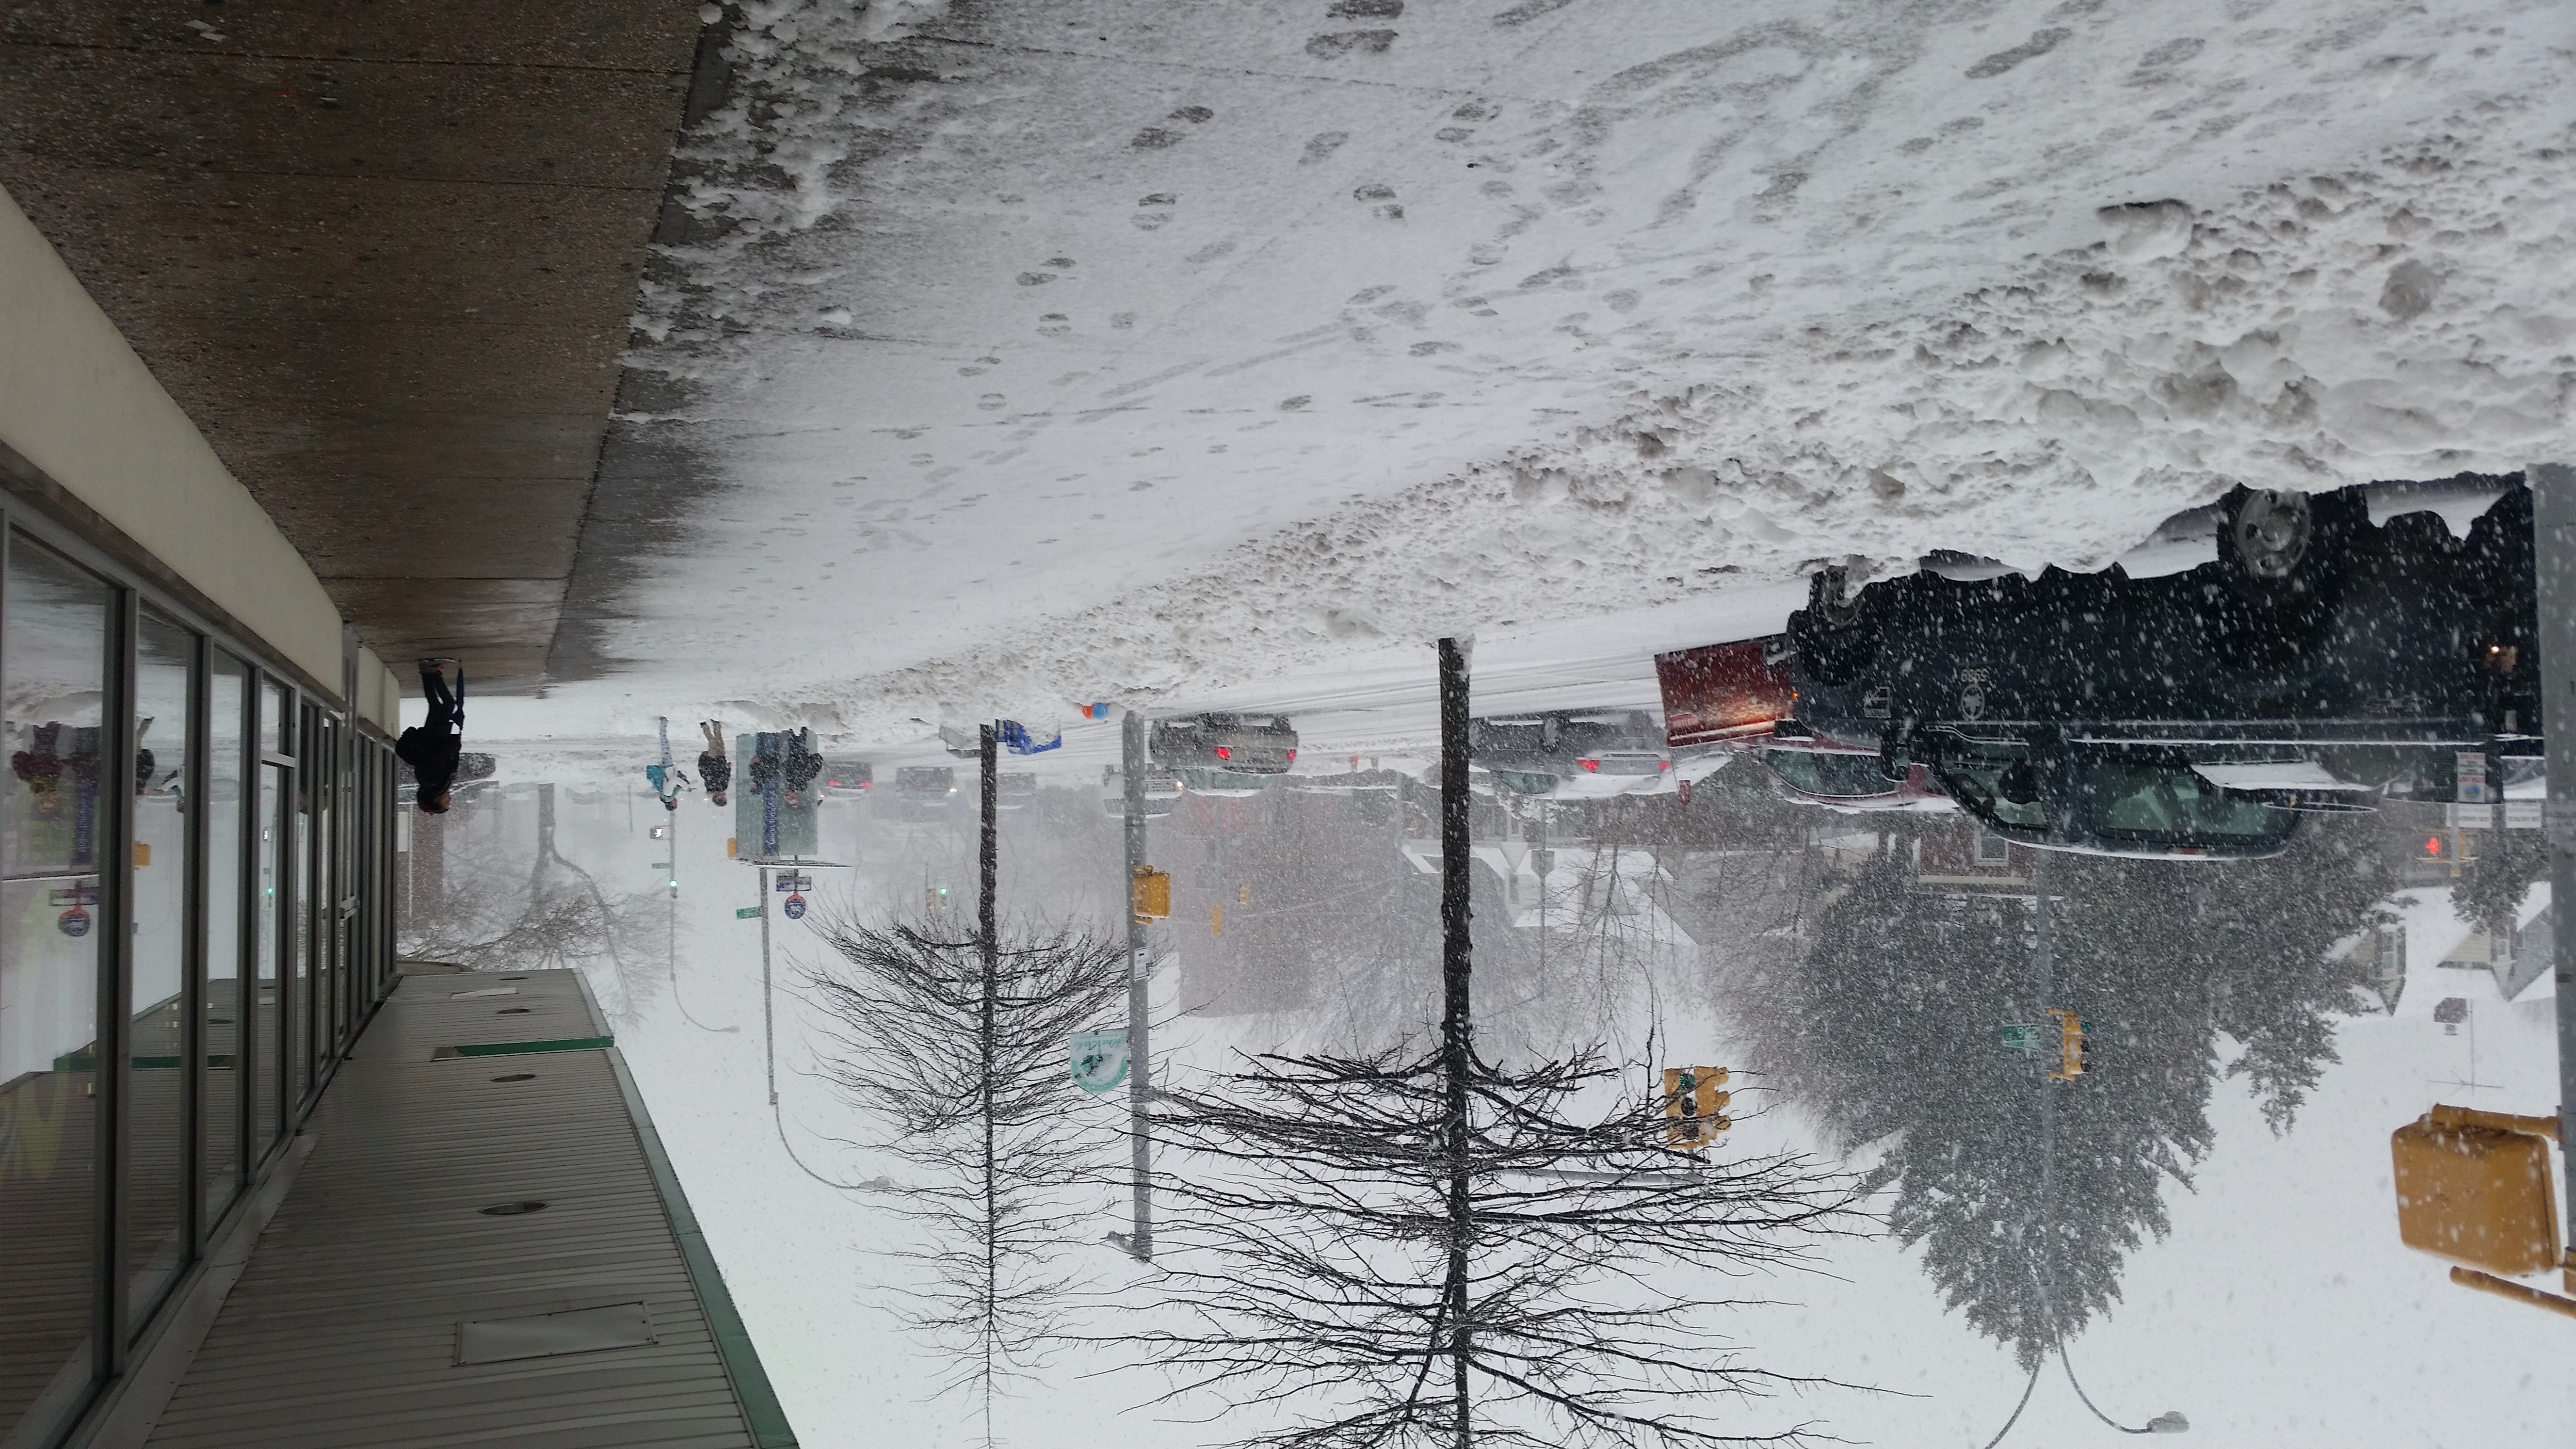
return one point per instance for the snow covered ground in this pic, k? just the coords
(1224, 354)
(2281, 1313)
(1132, 350)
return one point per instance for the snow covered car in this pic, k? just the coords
(1571, 752)
(2104, 712)
(922, 791)
(1224, 742)
(1162, 790)
(1203, 780)
(1015, 790)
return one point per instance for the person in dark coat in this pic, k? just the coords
(714, 770)
(432, 746)
(803, 764)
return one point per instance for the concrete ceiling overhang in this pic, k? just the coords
(384, 255)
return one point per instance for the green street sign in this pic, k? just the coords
(746, 913)
(2023, 1036)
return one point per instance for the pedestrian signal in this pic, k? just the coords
(2074, 1045)
(1694, 1108)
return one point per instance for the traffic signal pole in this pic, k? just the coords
(768, 1022)
(1140, 1061)
(2553, 500)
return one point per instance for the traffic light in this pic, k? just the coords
(1243, 894)
(2074, 1045)
(1694, 1108)
(1149, 894)
(935, 898)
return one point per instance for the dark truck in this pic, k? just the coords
(2321, 659)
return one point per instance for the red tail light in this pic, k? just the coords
(1591, 765)
(1292, 757)
(1223, 753)
(1662, 765)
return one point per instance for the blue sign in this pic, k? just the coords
(74, 922)
(795, 908)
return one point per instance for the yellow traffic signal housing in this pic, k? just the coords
(1150, 894)
(2073, 1049)
(1694, 1108)
(2473, 1187)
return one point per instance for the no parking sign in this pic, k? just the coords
(74, 922)
(795, 908)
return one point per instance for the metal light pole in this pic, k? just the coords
(768, 1025)
(1140, 1242)
(2553, 507)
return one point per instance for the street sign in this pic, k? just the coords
(2024, 1036)
(74, 922)
(795, 908)
(789, 883)
(1099, 1060)
(746, 913)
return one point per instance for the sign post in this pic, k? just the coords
(2553, 511)
(768, 1015)
(1140, 1062)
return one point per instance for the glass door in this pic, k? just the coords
(54, 835)
(224, 1038)
(155, 1201)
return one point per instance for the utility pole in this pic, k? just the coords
(1140, 1242)
(2553, 504)
(1457, 1050)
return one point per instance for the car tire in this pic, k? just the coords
(2286, 557)
(1833, 645)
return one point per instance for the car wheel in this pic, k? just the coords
(1832, 646)
(2286, 559)
(1831, 600)
(2266, 535)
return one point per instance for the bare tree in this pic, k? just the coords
(558, 918)
(1420, 1247)
(960, 1053)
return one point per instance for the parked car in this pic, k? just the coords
(923, 790)
(1162, 790)
(1015, 790)
(1224, 742)
(1570, 752)
(847, 777)
(2075, 711)
(1205, 780)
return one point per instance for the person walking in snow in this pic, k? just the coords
(667, 780)
(431, 747)
(714, 770)
(803, 763)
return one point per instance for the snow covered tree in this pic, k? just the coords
(955, 1044)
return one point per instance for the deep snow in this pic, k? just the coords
(1130, 350)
